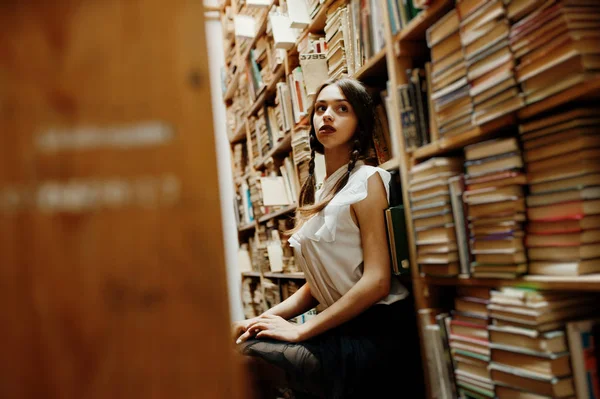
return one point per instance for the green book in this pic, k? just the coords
(397, 239)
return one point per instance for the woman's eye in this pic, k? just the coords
(321, 108)
(343, 108)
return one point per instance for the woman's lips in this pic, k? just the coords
(326, 129)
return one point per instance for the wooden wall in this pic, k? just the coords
(112, 274)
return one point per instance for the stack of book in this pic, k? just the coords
(240, 161)
(496, 212)
(382, 138)
(253, 144)
(562, 153)
(258, 210)
(301, 152)
(528, 349)
(469, 342)
(283, 105)
(432, 215)
(556, 43)
(289, 262)
(252, 297)
(489, 62)
(451, 102)
(265, 139)
(414, 109)
(338, 40)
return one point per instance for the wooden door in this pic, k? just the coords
(112, 273)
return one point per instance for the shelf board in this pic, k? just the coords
(272, 215)
(583, 91)
(415, 30)
(247, 227)
(478, 133)
(240, 134)
(283, 147)
(251, 274)
(393, 163)
(582, 283)
(261, 31)
(296, 276)
(231, 88)
(373, 67)
(317, 24)
(267, 91)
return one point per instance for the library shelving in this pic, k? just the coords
(407, 44)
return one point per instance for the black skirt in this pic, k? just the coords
(369, 356)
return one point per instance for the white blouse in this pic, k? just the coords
(328, 246)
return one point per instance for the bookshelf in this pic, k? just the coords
(407, 49)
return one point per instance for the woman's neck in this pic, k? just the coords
(335, 158)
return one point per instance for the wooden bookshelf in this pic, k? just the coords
(474, 135)
(415, 30)
(281, 212)
(373, 67)
(231, 88)
(251, 274)
(247, 227)
(402, 51)
(239, 135)
(588, 90)
(293, 276)
(589, 282)
(262, 27)
(316, 25)
(283, 147)
(267, 92)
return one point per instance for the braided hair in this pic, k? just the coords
(362, 104)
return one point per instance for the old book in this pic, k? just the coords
(568, 268)
(442, 28)
(548, 342)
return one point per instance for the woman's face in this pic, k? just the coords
(334, 120)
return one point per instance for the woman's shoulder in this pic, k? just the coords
(364, 172)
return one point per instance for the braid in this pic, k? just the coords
(354, 156)
(307, 193)
(311, 163)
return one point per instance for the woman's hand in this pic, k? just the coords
(240, 327)
(273, 327)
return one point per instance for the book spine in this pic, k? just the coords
(407, 118)
(456, 188)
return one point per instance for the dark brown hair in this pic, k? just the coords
(362, 104)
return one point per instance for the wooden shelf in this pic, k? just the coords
(373, 67)
(583, 91)
(478, 133)
(267, 91)
(315, 26)
(393, 163)
(251, 274)
(582, 283)
(231, 88)
(295, 276)
(239, 135)
(262, 28)
(283, 147)
(272, 215)
(415, 30)
(247, 227)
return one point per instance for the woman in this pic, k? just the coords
(351, 349)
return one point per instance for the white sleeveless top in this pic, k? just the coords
(328, 246)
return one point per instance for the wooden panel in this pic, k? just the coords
(112, 268)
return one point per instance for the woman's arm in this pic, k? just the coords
(300, 302)
(374, 285)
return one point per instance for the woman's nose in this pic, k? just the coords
(327, 116)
